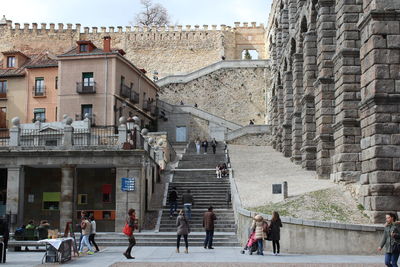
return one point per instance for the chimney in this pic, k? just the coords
(107, 44)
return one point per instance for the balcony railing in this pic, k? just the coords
(39, 91)
(3, 95)
(82, 88)
(134, 97)
(146, 105)
(125, 91)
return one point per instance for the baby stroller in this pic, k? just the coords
(251, 244)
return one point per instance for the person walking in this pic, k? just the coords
(275, 232)
(86, 228)
(391, 240)
(173, 201)
(214, 144)
(198, 145)
(183, 229)
(257, 226)
(188, 202)
(93, 233)
(208, 223)
(131, 222)
(218, 171)
(205, 145)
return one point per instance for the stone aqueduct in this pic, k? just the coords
(335, 100)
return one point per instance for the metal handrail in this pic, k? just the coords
(39, 90)
(85, 89)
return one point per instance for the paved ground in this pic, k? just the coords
(197, 257)
(258, 167)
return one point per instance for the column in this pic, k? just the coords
(288, 110)
(380, 108)
(67, 195)
(296, 118)
(308, 101)
(129, 200)
(347, 69)
(15, 193)
(324, 87)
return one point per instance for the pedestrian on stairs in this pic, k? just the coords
(218, 171)
(188, 202)
(183, 229)
(173, 201)
(205, 145)
(198, 145)
(214, 144)
(208, 223)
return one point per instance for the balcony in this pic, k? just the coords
(125, 91)
(82, 88)
(134, 97)
(3, 95)
(39, 91)
(146, 105)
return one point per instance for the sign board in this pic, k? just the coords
(128, 184)
(277, 189)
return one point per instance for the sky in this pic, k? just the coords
(121, 12)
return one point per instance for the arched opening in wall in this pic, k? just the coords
(273, 91)
(292, 49)
(285, 66)
(303, 27)
(279, 79)
(249, 54)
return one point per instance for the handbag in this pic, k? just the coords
(127, 230)
(396, 247)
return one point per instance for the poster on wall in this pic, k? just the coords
(128, 184)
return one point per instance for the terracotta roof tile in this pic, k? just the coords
(34, 61)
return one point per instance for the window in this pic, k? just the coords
(83, 48)
(11, 62)
(107, 188)
(51, 200)
(82, 199)
(3, 109)
(55, 119)
(39, 113)
(3, 87)
(56, 83)
(39, 86)
(86, 109)
(87, 79)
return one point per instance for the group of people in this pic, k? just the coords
(183, 229)
(221, 170)
(205, 145)
(262, 230)
(87, 228)
(187, 201)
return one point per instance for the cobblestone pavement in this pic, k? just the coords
(197, 257)
(258, 167)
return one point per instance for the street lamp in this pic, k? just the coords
(155, 76)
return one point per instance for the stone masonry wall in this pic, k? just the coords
(167, 50)
(237, 95)
(336, 69)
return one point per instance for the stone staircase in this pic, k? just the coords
(197, 173)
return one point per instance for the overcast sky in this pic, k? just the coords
(121, 12)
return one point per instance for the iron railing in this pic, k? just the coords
(134, 97)
(146, 105)
(3, 94)
(125, 91)
(81, 88)
(39, 91)
(4, 137)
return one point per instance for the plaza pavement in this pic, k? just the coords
(197, 257)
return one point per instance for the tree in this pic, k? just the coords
(152, 14)
(247, 54)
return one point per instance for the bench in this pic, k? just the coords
(15, 245)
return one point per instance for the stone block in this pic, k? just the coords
(384, 203)
(382, 177)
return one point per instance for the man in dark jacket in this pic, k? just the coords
(188, 202)
(173, 201)
(208, 224)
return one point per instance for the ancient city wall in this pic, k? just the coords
(334, 102)
(167, 50)
(234, 93)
